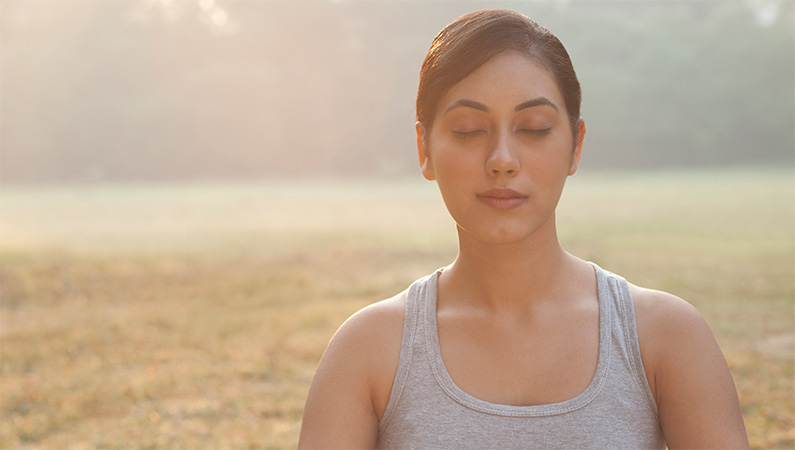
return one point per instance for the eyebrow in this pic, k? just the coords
(540, 101)
(466, 103)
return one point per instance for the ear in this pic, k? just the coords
(422, 152)
(575, 157)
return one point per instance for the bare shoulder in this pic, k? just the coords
(388, 312)
(371, 335)
(659, 313)
(354, 378)
(687, 372)
(666, 324)
(659, 305)
(367, 346)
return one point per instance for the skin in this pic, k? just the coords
(517, 315)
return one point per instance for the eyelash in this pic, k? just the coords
(468, 134)
(543, 132)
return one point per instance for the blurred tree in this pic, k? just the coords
(684, 83)
(187, 89)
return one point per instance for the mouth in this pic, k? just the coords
(502, 198)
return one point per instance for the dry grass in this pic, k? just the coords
(193, 317)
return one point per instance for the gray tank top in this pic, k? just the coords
(426, 410)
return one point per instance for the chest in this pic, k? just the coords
(521, 363)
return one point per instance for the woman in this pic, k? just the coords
(517, 343)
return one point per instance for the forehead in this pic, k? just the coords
(504, 81)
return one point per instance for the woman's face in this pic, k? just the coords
(501, 149)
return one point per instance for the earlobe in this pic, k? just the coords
(575, 157)
(422, 152)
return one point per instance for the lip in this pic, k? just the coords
(502, 198)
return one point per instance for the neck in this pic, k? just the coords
(510, 276)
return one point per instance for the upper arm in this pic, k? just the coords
(354, 375)
(696, 397)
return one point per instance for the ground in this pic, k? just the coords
(176, 316)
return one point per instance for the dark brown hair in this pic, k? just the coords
(474, 38)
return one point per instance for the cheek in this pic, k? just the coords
(454, 163)
(455, 171)
(554, 157)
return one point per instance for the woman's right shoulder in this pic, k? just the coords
(353, 381)
(380, 320)
(373, 334)
(373, 330)
(368, 343)
(370, 338)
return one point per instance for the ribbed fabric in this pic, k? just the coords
(426, 410)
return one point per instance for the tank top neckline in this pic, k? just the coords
(456, 393)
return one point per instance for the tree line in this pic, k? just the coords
(134, 90)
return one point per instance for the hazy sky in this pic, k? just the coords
(214, 89)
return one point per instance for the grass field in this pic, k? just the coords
(175, 316)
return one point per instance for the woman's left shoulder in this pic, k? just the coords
(667, 325)
(661, 312)
(687, 373)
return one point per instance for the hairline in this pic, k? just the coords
(537, 59)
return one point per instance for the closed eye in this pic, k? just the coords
(541, 132)
(467, 134)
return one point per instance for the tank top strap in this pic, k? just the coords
(416, 295)
(625, 332)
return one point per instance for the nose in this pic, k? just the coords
(503, 159)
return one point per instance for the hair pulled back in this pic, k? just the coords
(472, 39)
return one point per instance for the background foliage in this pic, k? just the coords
(198, 89)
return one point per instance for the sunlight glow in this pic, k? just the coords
(207, 5)
(766, 11)
(219, 18)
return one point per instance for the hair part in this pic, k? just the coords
(474, 38)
